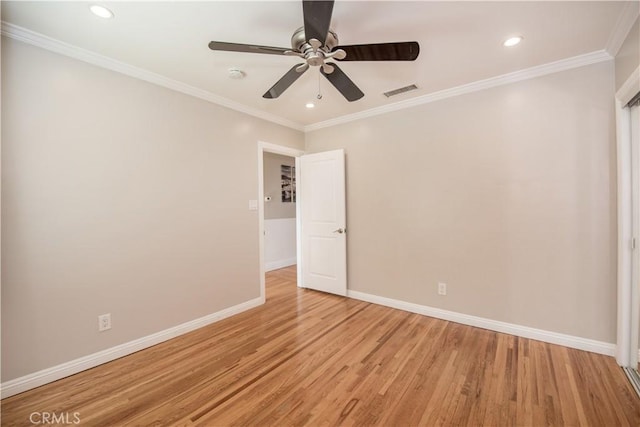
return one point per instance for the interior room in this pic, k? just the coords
(320, 212)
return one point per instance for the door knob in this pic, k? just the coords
(340, 230)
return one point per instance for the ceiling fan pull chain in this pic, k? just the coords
(319, 91)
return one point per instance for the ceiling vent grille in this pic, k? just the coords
(400, 90)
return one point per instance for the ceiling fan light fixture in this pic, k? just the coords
(101, 11)
(512, 41)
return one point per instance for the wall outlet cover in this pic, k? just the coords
(442, 288)
(104, 322)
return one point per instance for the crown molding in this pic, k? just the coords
(526, 74)
(36, 39)
(620, 31)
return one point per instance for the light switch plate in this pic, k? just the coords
(253, 205)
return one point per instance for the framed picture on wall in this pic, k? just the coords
(288, 183)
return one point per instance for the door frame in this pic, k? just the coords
(266, 147)
(627, 296)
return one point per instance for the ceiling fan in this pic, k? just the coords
(316, 43)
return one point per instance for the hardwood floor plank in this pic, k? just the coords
(308, 358)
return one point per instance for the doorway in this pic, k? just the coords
(320, 216)
(278, 220)
(279, 211)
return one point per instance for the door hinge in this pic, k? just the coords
(633, 243)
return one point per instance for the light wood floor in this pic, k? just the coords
(307, 358)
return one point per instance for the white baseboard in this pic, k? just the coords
(274, 265)
(493, 325)
(54, 373)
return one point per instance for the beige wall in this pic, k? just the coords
(272, 187)
(118, 197)
(628, 57)
(508, 195)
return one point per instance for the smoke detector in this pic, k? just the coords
(236, 73)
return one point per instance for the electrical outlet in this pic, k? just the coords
(104, 322)
(442, 288)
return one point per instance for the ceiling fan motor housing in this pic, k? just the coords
(299, 40)
(313, 52)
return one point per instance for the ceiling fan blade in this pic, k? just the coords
(287, 80)
(341, 82)
(249, 48)
(401, 51)
(317, 17)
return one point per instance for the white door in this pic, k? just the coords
(323, 231)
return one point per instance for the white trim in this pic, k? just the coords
(493, 325)
(629, 88)
(36, 39)
(45, 42)
(299, 201)
(634, 115)
(285, 151)
(274, 265)
(280, 149)
(45, 376)
(526, 74)
(620, 31)
(623, 154)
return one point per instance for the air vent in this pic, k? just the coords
(400, 90)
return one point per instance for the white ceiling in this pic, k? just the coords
(460, 43)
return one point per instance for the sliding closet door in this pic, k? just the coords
(635, 207)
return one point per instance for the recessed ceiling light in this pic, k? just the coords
(310, 105)
(101, 11)
(512, 41)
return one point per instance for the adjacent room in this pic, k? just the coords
(320, 213)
